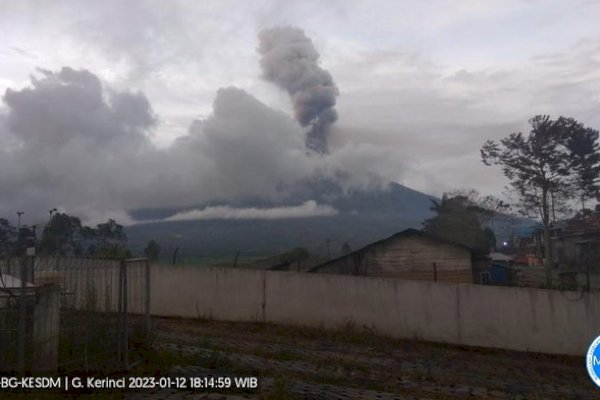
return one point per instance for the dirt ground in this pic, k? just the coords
(353, 363)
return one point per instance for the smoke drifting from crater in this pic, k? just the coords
(74, 143)
(290, 61)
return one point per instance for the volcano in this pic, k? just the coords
(362, 217)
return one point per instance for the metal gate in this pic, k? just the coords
(73, 315)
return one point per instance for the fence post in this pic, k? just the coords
(123, 310)
(120, 312)
(22, 329)
(46, 322)
(148, 321)
(125, 315)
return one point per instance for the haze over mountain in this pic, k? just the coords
(246, 177)
(358, 218)
(77, 145)
(179, 106)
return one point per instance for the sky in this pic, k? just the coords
(103, 102)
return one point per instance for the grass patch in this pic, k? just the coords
(281, 389)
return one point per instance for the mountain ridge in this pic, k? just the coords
(363, 216)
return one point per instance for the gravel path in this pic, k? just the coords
(300, 363)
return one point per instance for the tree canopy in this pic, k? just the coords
(65, 235)
(297, 255)
(152, 250)
(556, 162)
(584, 161)
(458, 220)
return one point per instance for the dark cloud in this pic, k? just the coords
(71, 105)
(431, 87)
(83, 147)
(72, 142)
(290, 60)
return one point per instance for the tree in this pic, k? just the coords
(111, 230)
(491, 206)
(152, 250)
(8, 238)
(25, 237)
(114, 251)
(65, 235)
(297, 255)
(584, 156)
(486, 207)
(490, 237)
(457, 221)
(346, 249)
(111, 239)
(58, 237)
(537, 167)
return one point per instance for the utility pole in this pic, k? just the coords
(57, 243)
(19, 213)
(30, 252)
(33, 228)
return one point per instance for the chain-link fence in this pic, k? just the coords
(65, 314)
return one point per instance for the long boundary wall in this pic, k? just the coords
(524, 319)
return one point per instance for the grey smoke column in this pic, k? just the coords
(290, 60)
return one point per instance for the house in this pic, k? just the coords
(526, 244)
(410, 254)
(576, 241)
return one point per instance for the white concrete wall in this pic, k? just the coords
(511, 318)
(200, 292)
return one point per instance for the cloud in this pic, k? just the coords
(70, 105)
(290, 60)
(309, 208)
(73, 143)
(436, 117)
(81, 146)
(430, 87)
(420, 95)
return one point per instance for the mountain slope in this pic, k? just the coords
(363, 217)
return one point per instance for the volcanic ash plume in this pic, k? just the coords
(290, 60)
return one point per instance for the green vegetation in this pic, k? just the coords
(281, 389)
(350, 356)
(459, 220)
(152, 251)
(558, 161)
(65, 235)
(216, 261)
(295, 256)
(251, 262)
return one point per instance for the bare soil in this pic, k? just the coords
(353, 362)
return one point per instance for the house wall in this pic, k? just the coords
(408, 258)
(481, 265)
(525, 319)
(565, 249)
